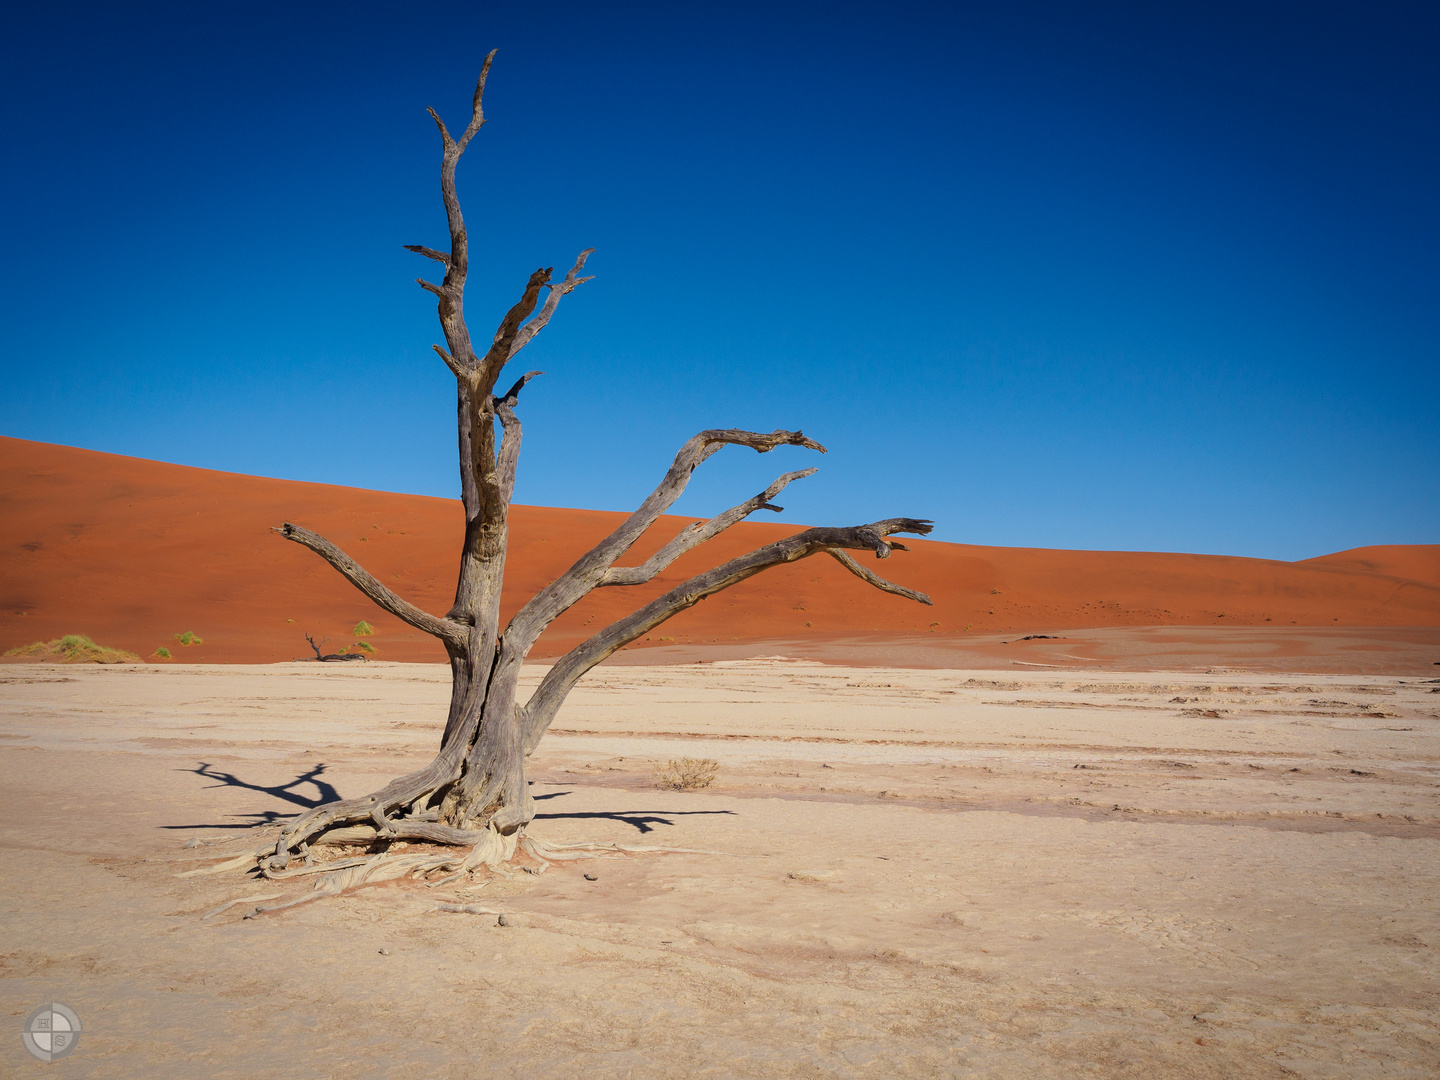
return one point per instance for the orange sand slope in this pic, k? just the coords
(133, 552)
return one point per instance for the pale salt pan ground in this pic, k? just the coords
(924, 873)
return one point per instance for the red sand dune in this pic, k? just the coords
(133, 552)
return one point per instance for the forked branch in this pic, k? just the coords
(588, 572)
(450, 294)
(557, 290)
(502, 346)
(695, 535)
(690, 457)
(452, 633)
(513, 333)
(541, 708)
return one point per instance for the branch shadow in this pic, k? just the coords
(324, 793)
(643, 820)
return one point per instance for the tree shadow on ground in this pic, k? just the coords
(324, 793)
(642, 820)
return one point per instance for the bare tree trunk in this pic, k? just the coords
(473, 794)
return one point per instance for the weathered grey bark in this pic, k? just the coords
(474, 791)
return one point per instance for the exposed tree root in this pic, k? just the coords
(494, 851)
(239, 862)
(238, 900)
(594, 849)
(468, 909)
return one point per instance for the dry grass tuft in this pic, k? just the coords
(74, 649)
(687, 774)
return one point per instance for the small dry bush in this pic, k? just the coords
(74, 649)
(687, 774)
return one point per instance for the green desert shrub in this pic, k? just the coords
(363, 629)
(74, 649)
(365, 646)
(163, 653)
(189, 637)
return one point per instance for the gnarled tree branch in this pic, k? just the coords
(452, 633)
(477, 111)
(502, 345)
(541, 707)
(429, 253)
(695, 452)
(695, 535)
(508, 460)
(586, 574)
(511, 396)
(557, 290)
(450, 361)
(457, 261)
(872, 578)
(509, 457)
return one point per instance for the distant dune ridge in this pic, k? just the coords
(133, 552)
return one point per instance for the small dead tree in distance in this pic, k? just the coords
(325, 657)
(473, 794)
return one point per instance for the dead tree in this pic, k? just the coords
(473, 794)
(325, 657)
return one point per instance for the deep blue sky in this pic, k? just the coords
(1103, 275)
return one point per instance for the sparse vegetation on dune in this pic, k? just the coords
(363, 629)
(163, 653)
(189, 637)
(73, 649)
(354, 649)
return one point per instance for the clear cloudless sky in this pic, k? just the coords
(1147, 276)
